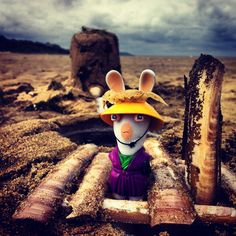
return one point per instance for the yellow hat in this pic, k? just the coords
(134, 108)
(131, 101)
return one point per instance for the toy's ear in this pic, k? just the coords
(147, 80)
(115, 81)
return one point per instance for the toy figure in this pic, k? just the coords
(132, 117)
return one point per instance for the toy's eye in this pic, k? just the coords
(139, 118)
(115, 117)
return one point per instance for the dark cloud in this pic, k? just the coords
(220, 21)
(102, 21)
(180, 27)
(66, 3)
(210, 29)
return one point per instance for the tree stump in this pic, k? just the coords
(202, 128)
(93, 53)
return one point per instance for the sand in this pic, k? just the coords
(30, 149)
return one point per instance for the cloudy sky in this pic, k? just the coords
(145, 27)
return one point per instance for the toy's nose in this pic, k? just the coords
(126, 131)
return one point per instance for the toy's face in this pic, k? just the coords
(128, 128)
(131, 129)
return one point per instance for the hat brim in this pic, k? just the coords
(133, 108)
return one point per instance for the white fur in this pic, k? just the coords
(138, 129)
(114, 81)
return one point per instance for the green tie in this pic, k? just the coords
(125, 160)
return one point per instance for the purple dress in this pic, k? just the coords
(133, 181)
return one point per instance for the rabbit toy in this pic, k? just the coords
(131, 117)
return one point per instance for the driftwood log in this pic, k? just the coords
(134, 212)
(43, 201)
(228, 180)
(89, 197)
(137, 212)
(93, 53)
(228, 183)
(202, 128)
(216, 214)
(168, 198)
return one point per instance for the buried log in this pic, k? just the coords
(168, 199)
(43, 201)
(228, 183)
(202, 128)
(87, 200)
(126, 211)
(137, 212)
(228, 180)
(216, 214)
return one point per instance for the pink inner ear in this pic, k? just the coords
(147, 80)
(115, 81)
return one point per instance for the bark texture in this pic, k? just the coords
(202, 128)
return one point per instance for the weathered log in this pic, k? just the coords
(216, 214)
(202, 128)
(93, 53)
(87, 200)
(228, 183)
(228, 180)
(43, 201)
(168, 199)
(135, 212)
(138, 212)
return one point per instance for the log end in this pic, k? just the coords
(171, 207)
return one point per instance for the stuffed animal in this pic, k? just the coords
(131, 117)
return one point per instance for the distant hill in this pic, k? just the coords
(125, 54)
(25, 46)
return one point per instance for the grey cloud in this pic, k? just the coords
(208, 26)
(220, 20)
(210, 29)
(102, 21)
(65, 3)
